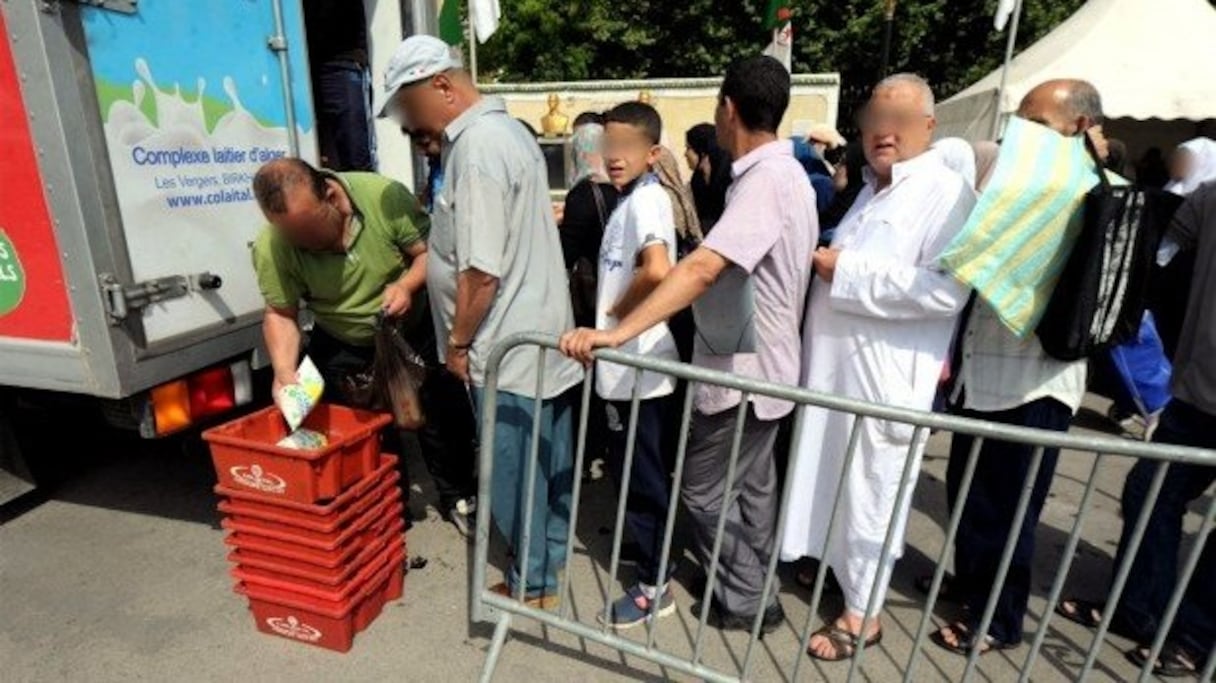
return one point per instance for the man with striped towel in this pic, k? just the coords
(1010, 379)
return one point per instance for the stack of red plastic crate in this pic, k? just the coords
(317, 536)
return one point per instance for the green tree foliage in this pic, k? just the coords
(950, 42)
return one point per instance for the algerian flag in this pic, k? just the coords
(1004, 9)
(483, 15)
(451, 30)
(779, 19)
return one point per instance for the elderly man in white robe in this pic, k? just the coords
(879, 326)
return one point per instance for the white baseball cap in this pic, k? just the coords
(823, 133)
(417, 58)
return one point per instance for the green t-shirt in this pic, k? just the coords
(345, 291)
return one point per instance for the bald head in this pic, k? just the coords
(912, 85)
(897, 123)
(1067, 106)
(306, 206)
(276, 179)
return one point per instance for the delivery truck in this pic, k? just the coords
(130, 131)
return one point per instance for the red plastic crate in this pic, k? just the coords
(275, 565)
(320, 528)
(244, 502)
(366, 527)
(373, 556)
(328, 558)
(316, 617)
(320, 559)
(337, 593)
(246, 457)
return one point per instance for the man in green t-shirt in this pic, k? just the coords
(350, 246)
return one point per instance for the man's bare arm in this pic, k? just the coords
(281, 331)
(475, 293)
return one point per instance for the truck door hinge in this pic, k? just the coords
(121, 300)
(124, 6)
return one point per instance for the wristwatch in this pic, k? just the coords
(459, 347)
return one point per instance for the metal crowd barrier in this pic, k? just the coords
(500, 610)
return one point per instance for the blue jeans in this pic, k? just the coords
(545, 555)
(1000, 471)
(1154, 573)
(344, 131)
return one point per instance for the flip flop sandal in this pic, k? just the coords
(965, 641)
(1081, 611)
(945, 593)
(843, 642)
(1174, 662)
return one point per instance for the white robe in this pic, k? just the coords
(879, 332)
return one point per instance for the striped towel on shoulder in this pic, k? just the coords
(1018, 238)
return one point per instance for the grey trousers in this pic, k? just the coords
(751, 504)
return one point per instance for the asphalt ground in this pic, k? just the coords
(119, 573)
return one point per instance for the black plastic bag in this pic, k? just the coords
(397, 375)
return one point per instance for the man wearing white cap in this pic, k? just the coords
(495, 269)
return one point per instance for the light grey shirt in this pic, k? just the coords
(494, 215)
(1194, 226)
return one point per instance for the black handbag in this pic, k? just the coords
(1101, 294)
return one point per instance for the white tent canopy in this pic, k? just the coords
(1148, 58)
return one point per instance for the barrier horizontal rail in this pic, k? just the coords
(492, 607)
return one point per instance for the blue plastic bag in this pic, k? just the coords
(1144, 369)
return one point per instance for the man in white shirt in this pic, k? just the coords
(1012, 380)
(878, 329)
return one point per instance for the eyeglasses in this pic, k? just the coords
(869, 119)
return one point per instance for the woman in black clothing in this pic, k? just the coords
(588, 205)
(710, 166)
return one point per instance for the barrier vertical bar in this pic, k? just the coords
(623, 487)
(712, 572)
(672, 506)
(564, 594)
(821, 574)
(485, 475)
(770, 573)
(918, 436)
(1171, 609)
(1125, 567)
(529, 498)
(1057, 587)
(1002, 571)
(1209, 670)
(956, 516)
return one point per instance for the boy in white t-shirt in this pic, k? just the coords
(638, 248)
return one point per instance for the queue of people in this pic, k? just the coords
(870, 314)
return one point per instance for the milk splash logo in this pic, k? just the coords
(255, 477)
(292, 627)
(198, 154)
(193, 103)
(12, 276)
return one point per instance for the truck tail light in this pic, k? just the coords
(178, 404)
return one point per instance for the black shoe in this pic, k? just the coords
(719, 618)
